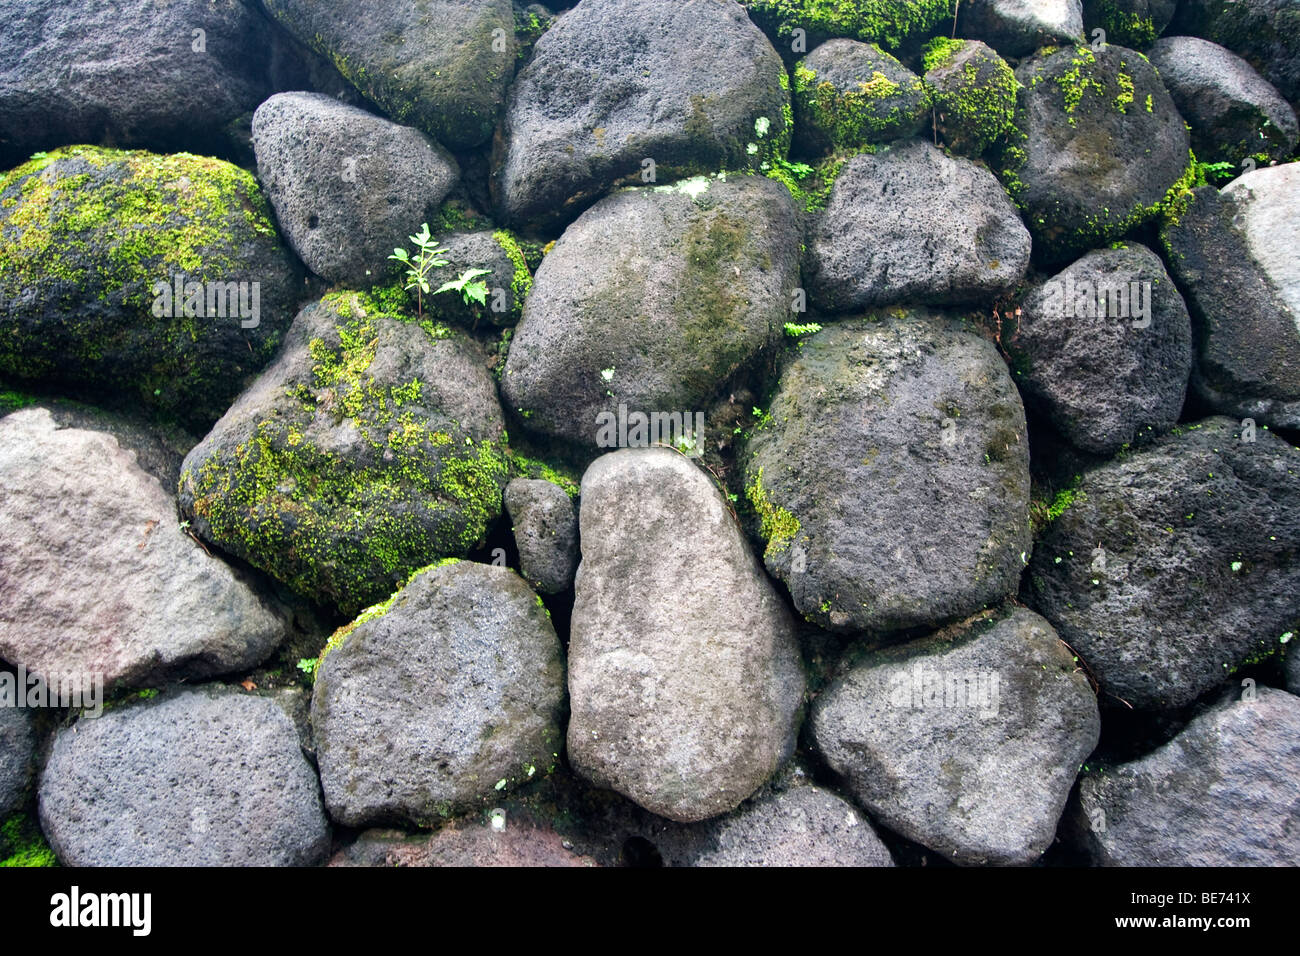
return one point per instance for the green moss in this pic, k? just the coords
(522, 467)
(11, 401)
(939, 51)
(521, 282)
(875, 110)
(889, 22)
(21, 838)
(1125, 27)
(1074, 82)
(811, 185)
(777, 525)
(975, 107)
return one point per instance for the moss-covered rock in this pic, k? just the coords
(509, 280)
(1131, 23)
(372, 447)
(92, 245)
(848, 94)
(973, 92)
(890, 23)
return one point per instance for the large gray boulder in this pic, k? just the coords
(686, 702)
(99, 579)
(973, 94)
(912, 224)
(347, 186)
(1224, 792)
(17, 755)
(130, 72)
(654, 300)
(1265, 32)
(198, 778)
(892, 482)
(1176, 563)
(545, 524)
(440, 65)
(94, 244)
(1018, 27)
(848, 94)
(438, 699)
(688, 85)
(1233, 252)
(1104, 348)
(967, 741)
(1101, 146)
(371, 448)
(1234, 113)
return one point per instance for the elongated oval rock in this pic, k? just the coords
(684, 675)
(892, 483)
(968, 741)
(201, 778)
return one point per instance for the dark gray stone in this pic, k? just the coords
(848, 94)
(439, 699)
(1018, 27)
(1265, 32)
(199, 778)
(17, 756)
(546, 533)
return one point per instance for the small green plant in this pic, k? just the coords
(308, 664)
(472, 289)
(427, 258)
(796, 329)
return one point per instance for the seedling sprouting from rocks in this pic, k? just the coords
(426, 259)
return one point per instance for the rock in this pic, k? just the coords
(198, 778)
(1235, 762)
(546, 533)
(441, 65)
(438, 699)
(1103, 145)
(1233, 254)
(508, 280)
(1105, 349)
(911, 224)
(654, 299)
(1019, 27)
(347, 186)
(372, 447)
(892, 483)
(162, 75)
(802, 826)
(890, 23)
(462, 845)
(686, 701)
(1293, 670)
(100, 581)
(973, 92)
(967, 742)
(689, 86)
(17, 755)
(1131, 23)
(1175, 563)
(1233, 113)
(848, 94)
(1264, 32)
(92, 243)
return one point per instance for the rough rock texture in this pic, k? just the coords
(1224, 792)
(17, 756)
(462, 845)
(126, 72)
(967, 742)
(1176, 563)
(440, 65)
(1234, 113)
(433, 703)
(911, 224)
(1293, 669)
(1102, 145)
(372, 447)
(509, 279)
(97, 576)
(92, 242)
(688, 85)
(973, 92)
(654, 299)
(1265, 32)
(1105, 348)
(1130, 23)
(848, 94)
(684, 675)
(200, 778)
(1018, 27)
(892, 483)
(546, 532)
(347, 186)
(1233, 253)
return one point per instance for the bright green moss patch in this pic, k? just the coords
(521, 283)
(974, 100)
(777, 525)
(874, 110)
(22, 840)
(1125, 27)
(888, 22)
(522, 467)
(939, 51)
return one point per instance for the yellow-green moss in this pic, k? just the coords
(777, 525)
